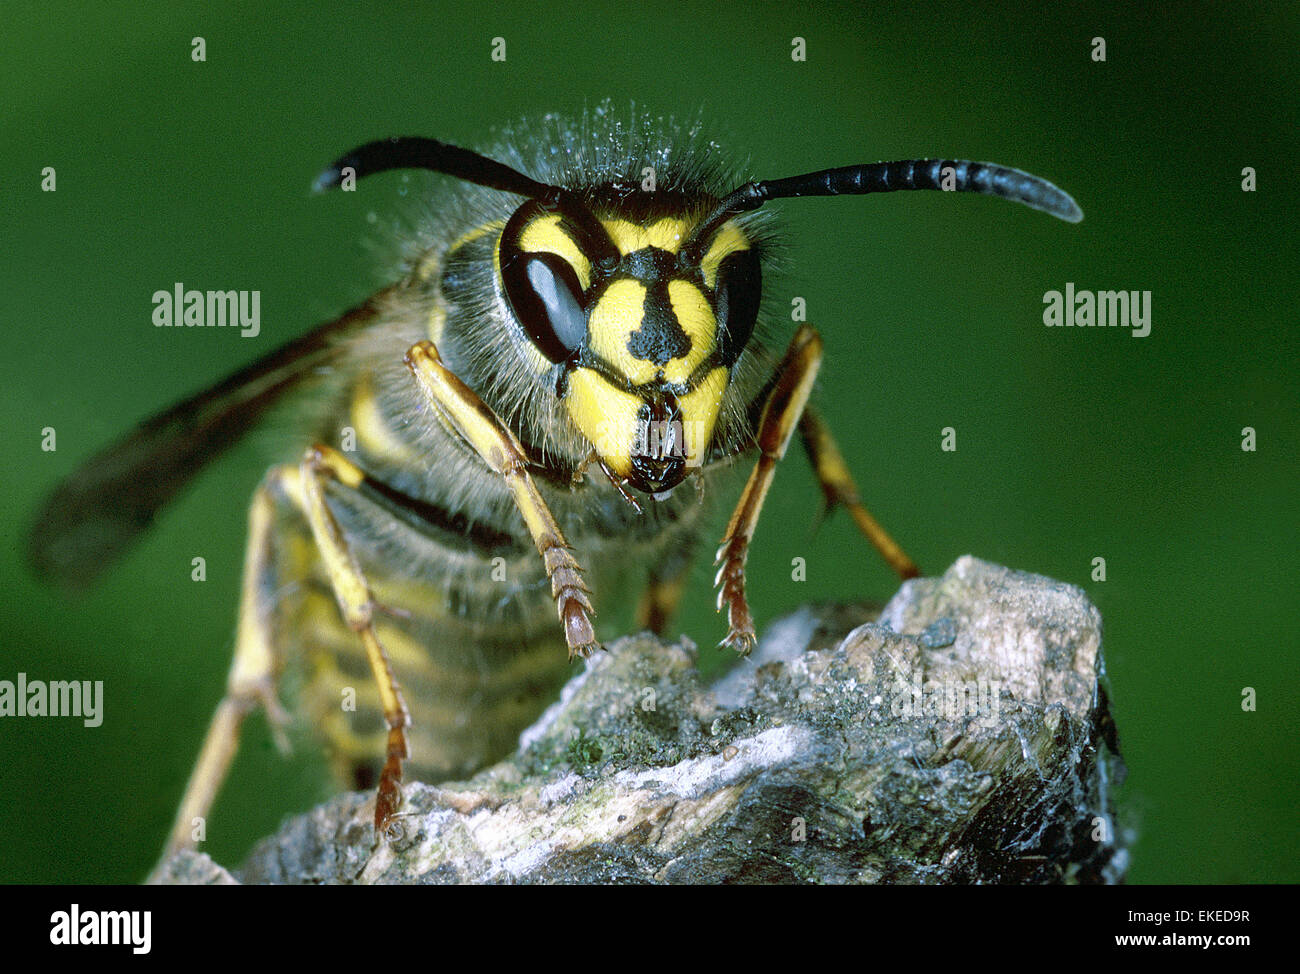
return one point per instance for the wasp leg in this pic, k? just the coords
(357, 606)
(781, 413)
(251, 681)
(838, 487)
(461, 410)
(664, 591)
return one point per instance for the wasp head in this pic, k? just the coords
(644, 320)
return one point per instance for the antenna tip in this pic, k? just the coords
(1070, 211)
(329, 179)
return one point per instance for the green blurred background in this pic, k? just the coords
(1071, 444)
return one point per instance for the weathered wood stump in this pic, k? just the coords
(964, 737)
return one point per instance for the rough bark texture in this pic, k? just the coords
(961, 738)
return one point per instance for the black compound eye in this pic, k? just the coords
(740, 288)
(546, 298)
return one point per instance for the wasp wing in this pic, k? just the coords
(97, 513)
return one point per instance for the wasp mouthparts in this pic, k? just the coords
(659, 454)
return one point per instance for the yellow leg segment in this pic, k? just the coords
(839, 488)
(462, 411)
(322, 463)
(251, 681)
(781, 413)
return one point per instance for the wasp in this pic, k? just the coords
(577, 332)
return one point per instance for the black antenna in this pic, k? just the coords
(415, 152)
(952, 175)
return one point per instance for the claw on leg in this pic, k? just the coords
(572, 601)
(388, 801)
(464, 413)
(356, 604)
(785, 404)
(730, 582)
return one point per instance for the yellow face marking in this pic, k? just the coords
(700, 409)
(726, 241)
(616, 315)
(544, 236)
(620, 311)
(666, 234)
(691, 308)
(606, 416)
